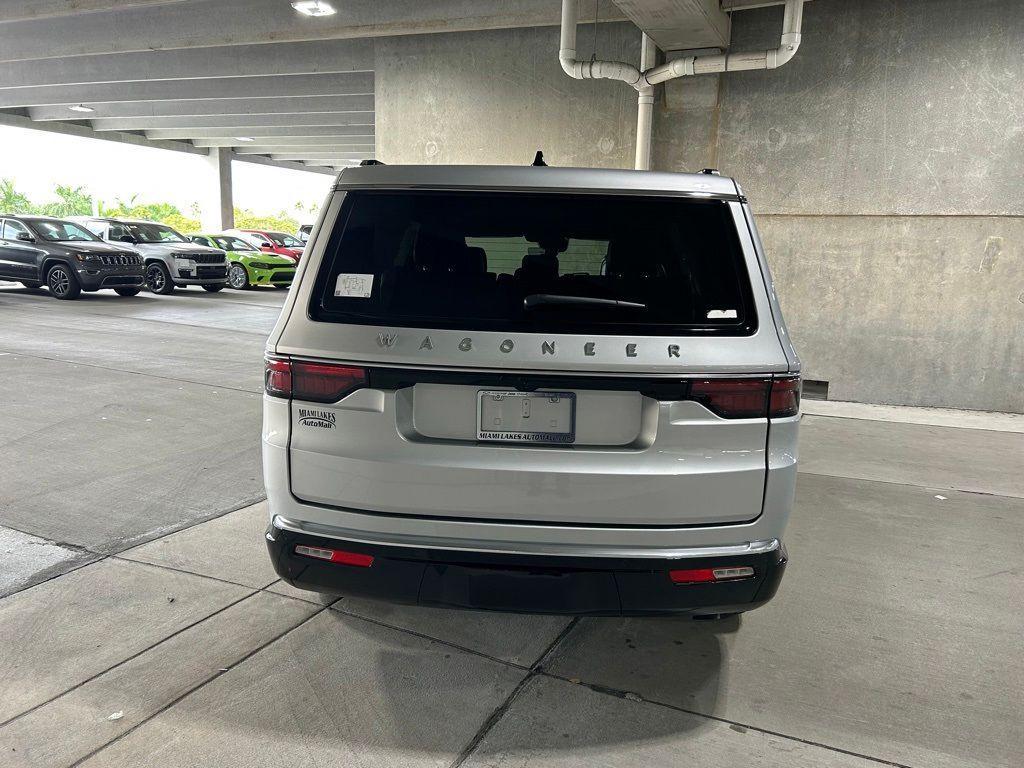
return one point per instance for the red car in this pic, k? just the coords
(277, 243)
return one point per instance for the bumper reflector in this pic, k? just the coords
(710, 575)
(336, 556)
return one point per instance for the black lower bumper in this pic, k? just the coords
(94, 279)
(526, 584)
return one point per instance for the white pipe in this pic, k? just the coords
(645, 108)
(647, 76)
(587, 70)
(737, 62)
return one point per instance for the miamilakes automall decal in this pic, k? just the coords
(313, 418)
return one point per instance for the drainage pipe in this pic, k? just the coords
(587, 70)
(645, 107)
(647, 76)
(726, 62)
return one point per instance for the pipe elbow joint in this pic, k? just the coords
(571, 67)
(785, 52)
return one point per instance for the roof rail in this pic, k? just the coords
(369, 162)
(710, 172)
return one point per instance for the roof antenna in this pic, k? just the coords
(538, 159)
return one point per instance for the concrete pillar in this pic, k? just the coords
(218, 212)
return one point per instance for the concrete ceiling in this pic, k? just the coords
(254, 75)
(251, 75)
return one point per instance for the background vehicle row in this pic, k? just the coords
(170, 258)
(90, 253)
(247, 265)
(65, 257)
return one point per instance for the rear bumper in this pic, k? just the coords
(594, 586)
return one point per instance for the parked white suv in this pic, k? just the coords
(171, 258)
(533, 389)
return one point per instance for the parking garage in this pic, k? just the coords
(878, 143)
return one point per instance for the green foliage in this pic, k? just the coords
(71, 201)
(282, 222)
(76, 201)
(162, 212)
(12, 201)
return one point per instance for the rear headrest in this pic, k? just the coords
(476, 259)
(539, 266)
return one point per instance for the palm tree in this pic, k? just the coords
(12, 201)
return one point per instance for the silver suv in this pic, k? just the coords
(171, 258)
(533, 389)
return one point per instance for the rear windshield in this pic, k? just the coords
(535, 262)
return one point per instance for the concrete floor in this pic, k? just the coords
(143, 624)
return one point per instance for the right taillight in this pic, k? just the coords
(785, 397)
(312, 382)
(748, 398)
(732, 398)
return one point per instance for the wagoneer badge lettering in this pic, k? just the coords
(387, 339)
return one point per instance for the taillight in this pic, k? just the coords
(732, 398)
(277, 377)
(785, 399)
(749, 398)
(312, 382)
(710, 575)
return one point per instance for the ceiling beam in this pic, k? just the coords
(210, 107)
(245, 125)
(265, 132)
(293, 166)
(271, 86)
(743, 5)
(202, 23)
(325, 157)
(307, 149)
(320, 57)
(84, 131)
(285, 141)
(23, 10)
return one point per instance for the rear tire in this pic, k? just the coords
(213, 288)
(127, 291)
(238, 277)
(32, 286)
(62, 282)
(158, 279)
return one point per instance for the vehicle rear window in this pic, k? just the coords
(535, 262)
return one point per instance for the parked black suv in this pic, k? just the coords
(66, 257)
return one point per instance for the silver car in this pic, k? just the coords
(171, 258)
(533, 389)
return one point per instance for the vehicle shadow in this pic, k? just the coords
(599, 686)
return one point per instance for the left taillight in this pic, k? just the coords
(277, 377)
(311, 382)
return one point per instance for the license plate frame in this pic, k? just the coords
(526, 400)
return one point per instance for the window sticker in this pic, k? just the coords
(352, 286)
(721, 314)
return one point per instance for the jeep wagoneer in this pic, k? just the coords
(533, 389)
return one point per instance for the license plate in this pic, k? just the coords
(526, 417)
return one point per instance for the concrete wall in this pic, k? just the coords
(885, 163)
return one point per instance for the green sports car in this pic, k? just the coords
(246, 265)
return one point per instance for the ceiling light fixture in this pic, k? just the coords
(81, 108)
(314, 8)
(244, 138)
